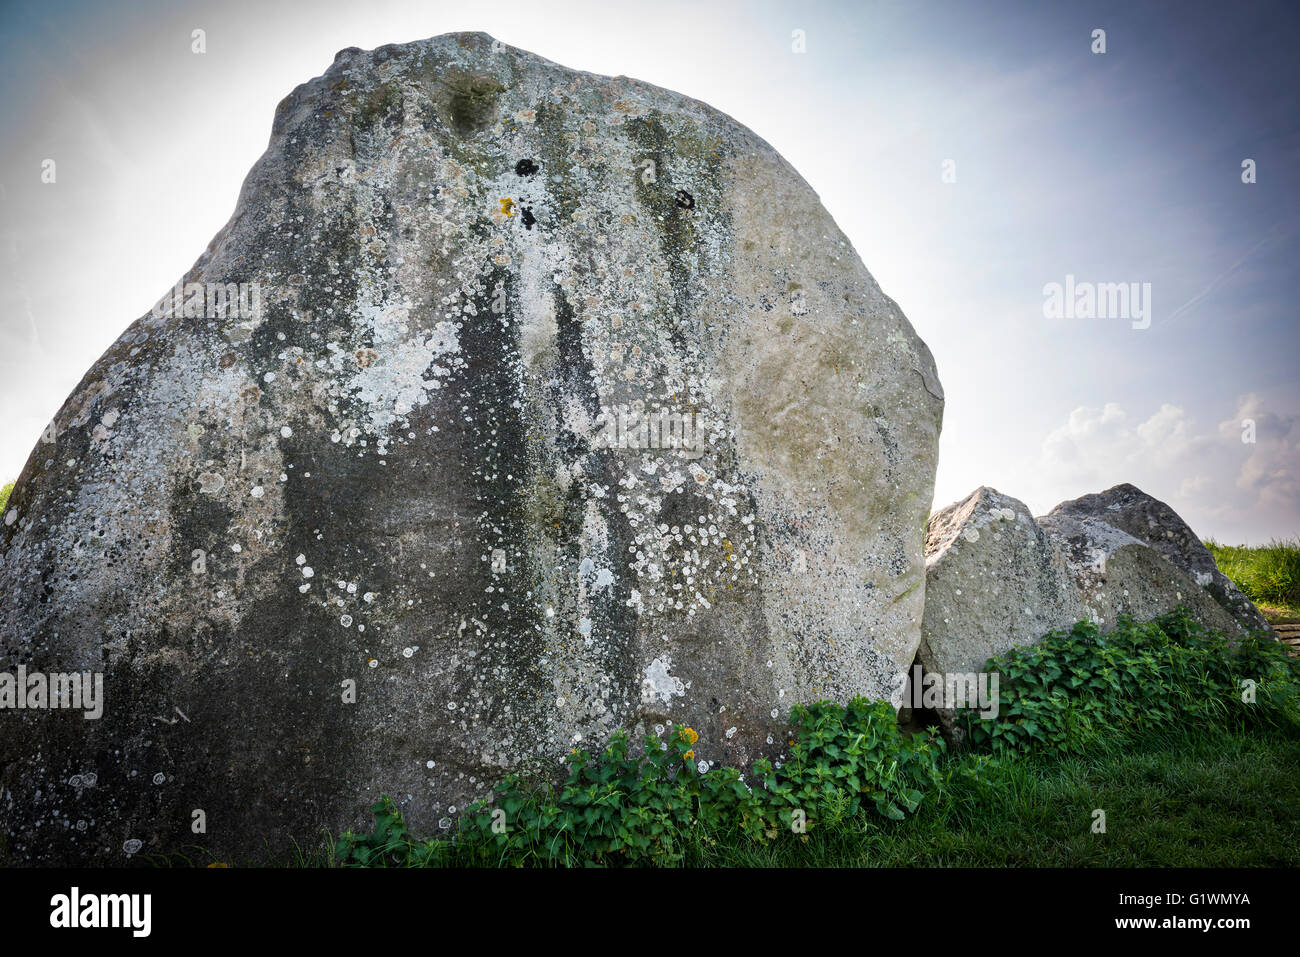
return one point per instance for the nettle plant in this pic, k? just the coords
(1059, 696)
(1078, 685)
(620, 807)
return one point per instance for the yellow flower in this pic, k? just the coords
(689, 735)
(689, 756)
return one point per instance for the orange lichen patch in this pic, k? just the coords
(508, 206)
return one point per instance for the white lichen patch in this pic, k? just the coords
(658, 684)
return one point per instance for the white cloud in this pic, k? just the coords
(1217, 482)
(1271, 471)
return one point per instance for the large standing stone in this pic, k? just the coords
(1156, 525)
(395, 473)
(994, 581)
(1121, 575)
(996, 578)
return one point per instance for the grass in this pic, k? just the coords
(1180, 798)
(1268, 575)
(4, 496)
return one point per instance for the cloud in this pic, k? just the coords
(1271, 471)
(1221, 484)
(1096, 442)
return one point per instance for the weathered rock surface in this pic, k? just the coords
(994, 581)
(1118, 574)
(1156, 525)
(394, 472)
(996, 578)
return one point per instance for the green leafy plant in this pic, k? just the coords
(848, 772)
(1077, 685)
(621, 807)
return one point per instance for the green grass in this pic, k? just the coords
(4, 496)
(1179, 798)
(1268, 575)
(1183, 797)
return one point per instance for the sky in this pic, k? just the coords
(974, 153)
